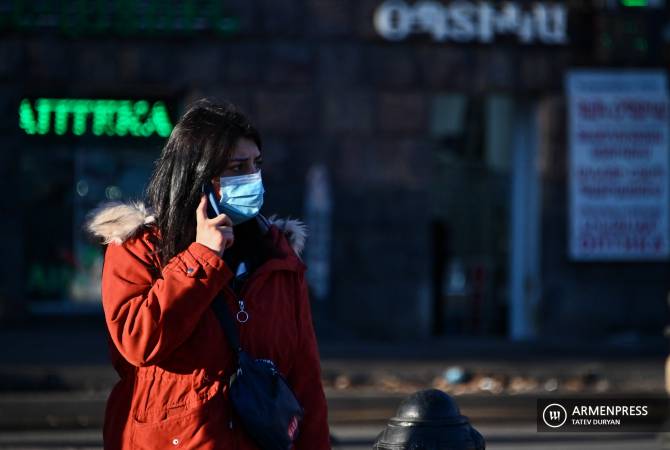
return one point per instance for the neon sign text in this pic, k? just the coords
(100, 117)
(121, 17)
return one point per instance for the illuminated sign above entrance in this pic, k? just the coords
(643, 3)
(475, 22)
(60, 116)
(119, 17)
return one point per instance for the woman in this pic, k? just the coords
(164, 266)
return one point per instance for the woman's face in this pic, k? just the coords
(245, 160)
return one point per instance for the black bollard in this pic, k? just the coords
(429, 420)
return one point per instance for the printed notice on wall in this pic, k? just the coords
(618, 165)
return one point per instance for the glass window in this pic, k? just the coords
(63, 265)
(473, 142)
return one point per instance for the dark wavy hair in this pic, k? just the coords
(197, 151)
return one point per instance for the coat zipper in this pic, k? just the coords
(240, 300)
(243, 293)
(242, 316)
(245, 316)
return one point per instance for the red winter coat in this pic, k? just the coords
(170, 350)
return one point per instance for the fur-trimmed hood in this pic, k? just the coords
(116, 222)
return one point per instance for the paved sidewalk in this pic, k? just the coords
(58, 375)
(361, 437)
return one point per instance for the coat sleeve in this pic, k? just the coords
(305, 379)
(149, 313)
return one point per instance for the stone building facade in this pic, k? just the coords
(415, 136)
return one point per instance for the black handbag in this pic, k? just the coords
(261, 397)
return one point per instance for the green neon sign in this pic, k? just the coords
(635, 3)
(100, 117)
(119, 17)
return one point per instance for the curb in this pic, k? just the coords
(85, 410)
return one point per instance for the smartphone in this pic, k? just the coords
(212, 203)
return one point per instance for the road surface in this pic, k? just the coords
(355, 437)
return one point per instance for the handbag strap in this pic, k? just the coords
(226, 320)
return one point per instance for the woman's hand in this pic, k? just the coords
(215, 234)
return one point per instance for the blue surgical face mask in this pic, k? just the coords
(241, 196)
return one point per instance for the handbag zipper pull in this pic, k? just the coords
(242, 316)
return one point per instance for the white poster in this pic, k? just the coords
(618, 165)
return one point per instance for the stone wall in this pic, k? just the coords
(322, 88)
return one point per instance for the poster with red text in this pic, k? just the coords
(618, 165)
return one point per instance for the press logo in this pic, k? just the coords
(554, 415)
(568, 415)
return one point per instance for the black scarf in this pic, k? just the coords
(251, 246)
